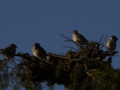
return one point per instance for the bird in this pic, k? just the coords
(10, 51)
(111, 43)
(78, 38)
(38, 51)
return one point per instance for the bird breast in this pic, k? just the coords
(74, 36)
(111, 45)
(35, 51)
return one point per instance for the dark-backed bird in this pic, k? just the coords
(10, 51)
(38, 51)
(111, 43)
(78, 38)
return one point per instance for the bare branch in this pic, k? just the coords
(93, 77)
(91, 49)
(104, 39)
(67, 38)
(70, 47)
(90, 74)
(101, 38)
(59, 56)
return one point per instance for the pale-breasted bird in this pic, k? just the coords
(78, 38)
(111, 43)
(38, 51)
(10, 51)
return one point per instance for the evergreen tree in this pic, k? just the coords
(86, 69)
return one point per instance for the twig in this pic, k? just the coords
(107, 54)
(70, 47)
(90, 74)
(68, 39)
(25, 56)
(85, 67)
(78, 59)
(98, 45)
(59, 56)
(93, 77)
(101, 38)
(13, 70)
(104, 39)
(17, 59)
(91, 49)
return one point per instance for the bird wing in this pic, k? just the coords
(44, 52)
(8, 49)
(82, 38)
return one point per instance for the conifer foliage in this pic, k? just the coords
(86, 69)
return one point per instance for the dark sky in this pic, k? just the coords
(25, 22)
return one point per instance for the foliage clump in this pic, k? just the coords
(86, 69)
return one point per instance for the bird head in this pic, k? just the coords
(114, 38)
(13, 45)
(75, 31)
(36, 45)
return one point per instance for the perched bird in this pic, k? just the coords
(10, 51)
(78, 38)
(111, 43)
(38, 51)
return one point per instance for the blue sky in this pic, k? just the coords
(25, 22)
